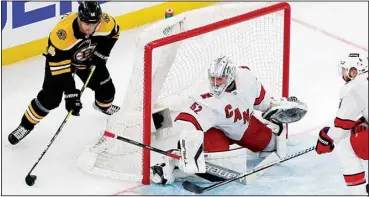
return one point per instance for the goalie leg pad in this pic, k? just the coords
(234, 159)
(192, 152)
(282, 143)
(279, 132)
(272, 144)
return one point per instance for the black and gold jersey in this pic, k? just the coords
(70, 49)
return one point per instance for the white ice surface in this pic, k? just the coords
(313, 78)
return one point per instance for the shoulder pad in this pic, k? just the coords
(107, 25)
(62, 36)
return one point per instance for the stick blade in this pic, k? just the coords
(192, 187)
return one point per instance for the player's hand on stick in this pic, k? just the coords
(97, 59)
(324, 143)
(73, 101)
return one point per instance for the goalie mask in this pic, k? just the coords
(353, 61)
(221, 74)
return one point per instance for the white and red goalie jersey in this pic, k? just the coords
(231, 112)
(226, 119)
(353, 105)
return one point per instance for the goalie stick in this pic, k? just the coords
(189, 186)
(30, 179)
(112, 135)
(210, 176)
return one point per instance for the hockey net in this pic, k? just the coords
(171, 62)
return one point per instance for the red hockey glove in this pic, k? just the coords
(360, 125)
(360, 121)
(324, 143)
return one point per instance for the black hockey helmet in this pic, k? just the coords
(89, 11)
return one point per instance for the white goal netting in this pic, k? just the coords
(180, 68)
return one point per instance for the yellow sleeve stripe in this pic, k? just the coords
(34, 113)
(60, 71)
(30, 119)
(62, 63)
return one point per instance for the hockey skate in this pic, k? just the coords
(108, 111)
(162, 173)
(18, 134)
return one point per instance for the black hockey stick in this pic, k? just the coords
(30, 179)
(112, 135)
(189, 186)
(209, 175)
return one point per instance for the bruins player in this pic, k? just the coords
(78, 41)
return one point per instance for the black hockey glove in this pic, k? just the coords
(98, 59)
(73, 101)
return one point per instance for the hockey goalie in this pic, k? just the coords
(225, 116)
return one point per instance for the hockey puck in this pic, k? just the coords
(30, 179)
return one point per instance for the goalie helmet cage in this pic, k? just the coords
(178, 50)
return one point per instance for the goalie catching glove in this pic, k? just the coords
(286, 110)
(192, 158)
